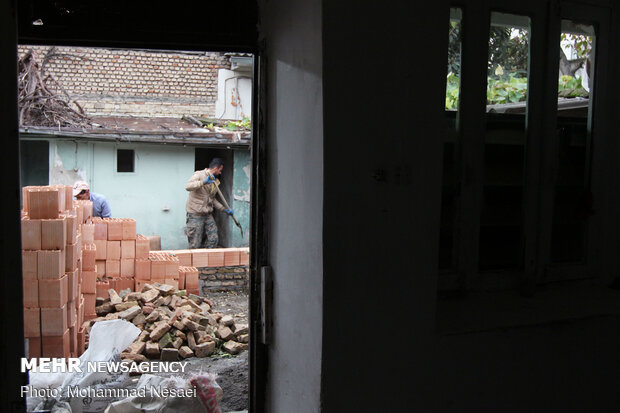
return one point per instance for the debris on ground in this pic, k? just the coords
(173, 324)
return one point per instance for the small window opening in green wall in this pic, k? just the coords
(125, 160)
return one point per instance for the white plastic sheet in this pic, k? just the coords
(107, 340)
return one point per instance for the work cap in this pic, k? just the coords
(79, 186)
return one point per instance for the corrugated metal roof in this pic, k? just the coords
(155, 129)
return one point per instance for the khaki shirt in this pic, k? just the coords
(201, 199)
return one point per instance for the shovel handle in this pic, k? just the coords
(226, 205)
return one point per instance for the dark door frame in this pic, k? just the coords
(86, 27)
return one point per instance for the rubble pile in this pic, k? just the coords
(174, 324)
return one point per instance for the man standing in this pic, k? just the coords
(101, 208)
(202, 187)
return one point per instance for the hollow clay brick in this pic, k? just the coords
(128, 229)
(72, 285)
(101, 252)
(101, 229)
(200, 257)
(50, 264)
(31, 292)
(115, 229)
(181, 279)
(102, 289)
(184, 256)
(56, 346)
(128, 249)
(113, 251)
(89, 252)
(26, 197)
(81, 340)
(53, 293)
(113, 268)
(191, 278)
(86, 208)
(244, 256)
(68, 197)
(142, 269)
(32, 322)
(216, 257)
(158, 269)
(53, 234)
(34, 347)
(231, 257)
(61, 195)
(88, 211)
(172, 268)
(89, 282)
(100, 264)
(71, 314)
(29, 265)
(89, 304)
(53, 321)
(142, 247)
(31, 234)
(72, 255)
(79, 211)
(80, 311)
(88, 232)
(43, 203)
(74, 341)
(124, 283)
(71, 227)
(127, 267)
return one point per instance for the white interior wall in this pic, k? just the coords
(295, 202)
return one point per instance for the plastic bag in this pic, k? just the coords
(152, 403)
(209, 392)
(107, 340)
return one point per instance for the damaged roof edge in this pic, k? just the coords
(30, 132)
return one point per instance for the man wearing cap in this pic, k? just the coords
(200, 227)
(101, 208)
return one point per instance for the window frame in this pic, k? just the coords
(133, 163)
(540, 121)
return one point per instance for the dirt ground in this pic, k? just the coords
(232, 372)
(233, 303)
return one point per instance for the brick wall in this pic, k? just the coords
(223, 279)
(136, 82)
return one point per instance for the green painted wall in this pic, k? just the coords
(154, 194)
(70, 161)
(241, 197)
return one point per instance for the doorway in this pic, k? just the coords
(167, 146)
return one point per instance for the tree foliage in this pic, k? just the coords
(507, 66)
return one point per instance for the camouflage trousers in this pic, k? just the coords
(201, 231)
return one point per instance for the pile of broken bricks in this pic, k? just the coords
(173, 324)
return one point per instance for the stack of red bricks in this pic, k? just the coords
(166, 268)
(115, 257)
(212, 257)
(51, 264)
(117, 249)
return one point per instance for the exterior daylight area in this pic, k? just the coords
(310, 206)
